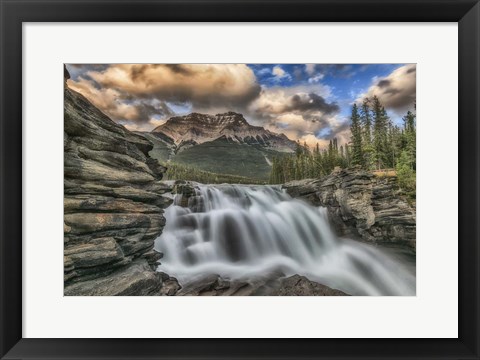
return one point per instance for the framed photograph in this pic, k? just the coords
(239, 180)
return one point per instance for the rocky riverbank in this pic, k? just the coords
(362, 205)
(113, 205)
(267, 285)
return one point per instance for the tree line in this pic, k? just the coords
(309, 164)
(376, 143)
(183, 172)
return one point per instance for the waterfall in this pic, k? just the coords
(239, 231)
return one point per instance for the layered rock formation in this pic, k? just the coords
(113, 205)
(197, 128)
(362, 205)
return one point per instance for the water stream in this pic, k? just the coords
(239, 232)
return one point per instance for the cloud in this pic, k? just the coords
(103, 98)
(112, 103)
(279, 74)
(147, 126)
(300, 113)
(263, 71)
(203, 84)
(397, 91)
(311, 129)
(142, 96)
(134, 93)
(384, 83)
(295, 127)
(312, 141)
(316, 78)
(279, 100)
(310, 68)
(334, 70)
(311, 101)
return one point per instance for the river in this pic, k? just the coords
(239, 232)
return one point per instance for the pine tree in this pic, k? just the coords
(356, 130)
(380, 140)
(366, 121)
(405, 174)
(347, 155)
(318, 161)
(388, 151)
(410, 138)
(395, 143)
(275, 172)
(306, 163)
(298, 148)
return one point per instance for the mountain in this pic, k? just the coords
(194, 129)
(222, 144)
(221, 156)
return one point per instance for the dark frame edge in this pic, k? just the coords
(469, 174)
(12, 346)
(10, 179)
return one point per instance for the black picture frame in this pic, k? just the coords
(15, 12)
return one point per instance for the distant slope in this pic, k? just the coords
(162, 150)
(226, 157)
(185, 172)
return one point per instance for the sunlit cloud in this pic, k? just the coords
(396, 91)
(306, 102)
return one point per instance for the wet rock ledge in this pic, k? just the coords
(363, 206)
(270, 284)
(113, 205)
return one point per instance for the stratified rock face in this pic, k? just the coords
(197, 128)
(363, 205)
(113, 205)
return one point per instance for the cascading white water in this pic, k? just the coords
(239, 231)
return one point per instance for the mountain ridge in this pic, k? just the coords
(197, 128)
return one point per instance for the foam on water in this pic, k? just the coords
(240, 231)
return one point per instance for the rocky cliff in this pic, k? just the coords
(362, 205)
(113, 205)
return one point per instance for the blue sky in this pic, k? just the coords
(306, 102)
(347, 81)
